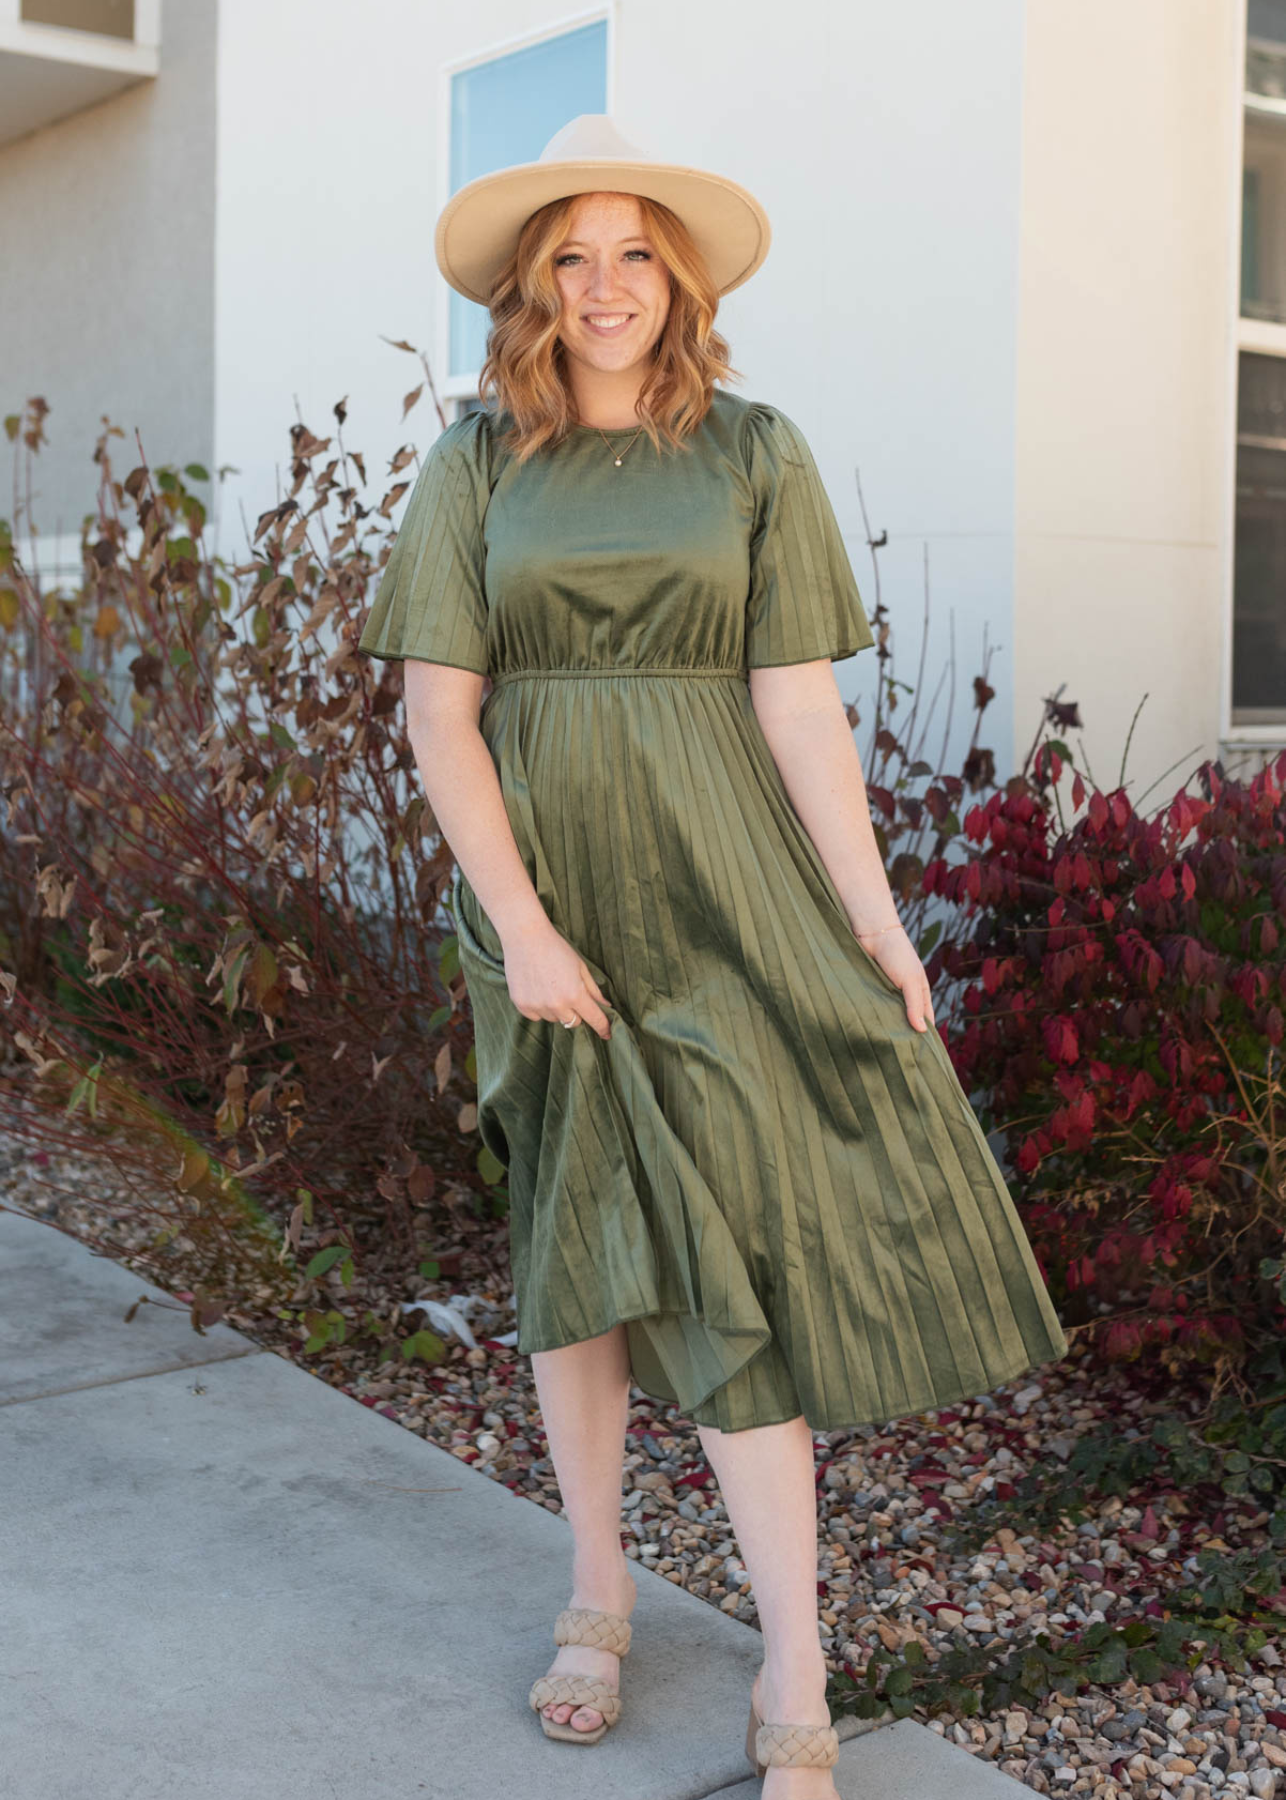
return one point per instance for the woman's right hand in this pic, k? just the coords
(548, 979)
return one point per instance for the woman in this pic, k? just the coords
(742, 1172)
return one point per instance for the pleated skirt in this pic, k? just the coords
(766, 1173)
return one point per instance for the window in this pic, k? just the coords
(503, 111)
(1259, 560)
(1263, 244)
(1259, 613)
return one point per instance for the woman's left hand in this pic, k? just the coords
(895, 953)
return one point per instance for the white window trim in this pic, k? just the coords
(465, 387)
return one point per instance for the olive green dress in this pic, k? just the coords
(767, 1173)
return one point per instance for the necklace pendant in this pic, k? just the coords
(618, 462)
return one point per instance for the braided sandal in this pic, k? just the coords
(600, 1631)
(790, 1746)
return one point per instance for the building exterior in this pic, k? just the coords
(1026, 295)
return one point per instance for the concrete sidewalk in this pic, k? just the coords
(221, 1578)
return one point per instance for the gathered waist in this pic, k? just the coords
(671, 674)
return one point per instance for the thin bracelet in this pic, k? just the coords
(879, 932)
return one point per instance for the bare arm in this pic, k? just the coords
(442, 711)
(802, 718)
(546, 976)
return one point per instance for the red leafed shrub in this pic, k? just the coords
(1120, 1026)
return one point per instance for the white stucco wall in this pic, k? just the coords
(326, 129)
(1127, 372)
(106, 222)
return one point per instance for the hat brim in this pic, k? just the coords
(479, 226)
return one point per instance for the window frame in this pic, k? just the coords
(456, 388)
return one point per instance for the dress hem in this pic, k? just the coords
(952, 1397)
(635, 1318)
(841, 655)
(413, 656)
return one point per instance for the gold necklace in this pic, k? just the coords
(634, 440)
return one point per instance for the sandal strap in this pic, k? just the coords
(576, 1690)
(600, 1630)
(797, 1746)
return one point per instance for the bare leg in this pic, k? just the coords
(768, 1485)
(584, 1392)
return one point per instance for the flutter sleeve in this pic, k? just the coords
(431, 602)
(804, 601)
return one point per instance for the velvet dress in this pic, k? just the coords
(766, 1172)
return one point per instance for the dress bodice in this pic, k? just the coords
(718, 555)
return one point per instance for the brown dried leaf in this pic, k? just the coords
(421, 1184)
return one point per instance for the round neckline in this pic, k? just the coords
(608, 430)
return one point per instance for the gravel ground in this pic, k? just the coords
(890, 1498)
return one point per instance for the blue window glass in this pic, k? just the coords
(505, 111)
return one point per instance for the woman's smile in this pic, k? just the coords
(608, 324)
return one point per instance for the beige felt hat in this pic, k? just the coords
(477, 229)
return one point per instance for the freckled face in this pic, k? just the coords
(615, 289)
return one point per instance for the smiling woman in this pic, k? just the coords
(742, 1173)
